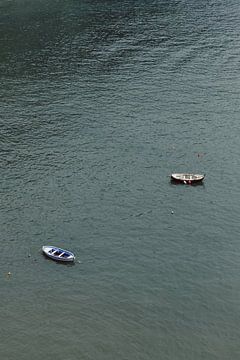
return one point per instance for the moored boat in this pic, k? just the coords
(58, 254)
(187, 178)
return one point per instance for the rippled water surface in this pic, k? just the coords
(100, 102)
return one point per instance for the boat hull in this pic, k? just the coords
(58, 254)
(187, 178)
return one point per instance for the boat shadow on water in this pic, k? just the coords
(175, 182)
(64, 263)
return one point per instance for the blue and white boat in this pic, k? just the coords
(58, 254)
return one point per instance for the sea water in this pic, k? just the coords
(100, 102)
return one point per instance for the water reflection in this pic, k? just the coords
(48, 38)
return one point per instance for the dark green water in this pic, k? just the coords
(100, 102)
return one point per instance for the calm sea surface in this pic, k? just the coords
(100, 102)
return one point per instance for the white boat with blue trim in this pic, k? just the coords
(58, 254)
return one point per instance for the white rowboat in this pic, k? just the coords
(188, 178)
(58, 254)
